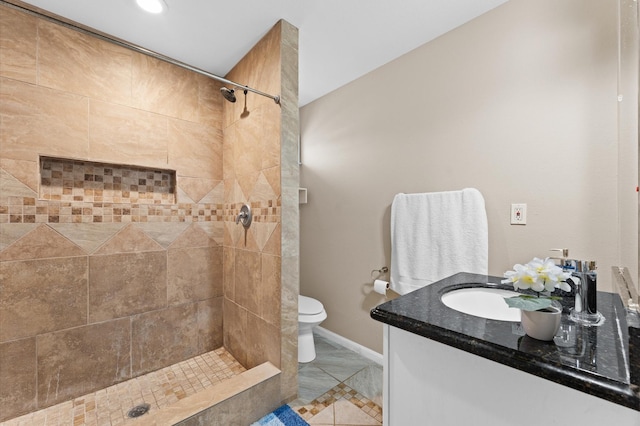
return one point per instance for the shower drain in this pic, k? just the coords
(138, 410)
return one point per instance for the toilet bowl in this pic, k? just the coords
(310, 313)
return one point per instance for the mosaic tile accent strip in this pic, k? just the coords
(74, 191)
(74, 180)
(261, 211)
(159, 389)
(340, 391)
(32, 210)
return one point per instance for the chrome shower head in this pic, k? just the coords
(228, 94)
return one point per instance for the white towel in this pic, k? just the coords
(435, 235)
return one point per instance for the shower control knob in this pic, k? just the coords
(245, 216)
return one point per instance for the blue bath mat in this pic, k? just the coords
(283, 416)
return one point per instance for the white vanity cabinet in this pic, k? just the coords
(445, 367)
(430, 383)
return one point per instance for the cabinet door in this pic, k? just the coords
(429, 383)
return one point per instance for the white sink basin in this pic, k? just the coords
(482, 302)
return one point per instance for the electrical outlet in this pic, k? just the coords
(518, 214)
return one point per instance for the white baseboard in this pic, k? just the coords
(349, 344)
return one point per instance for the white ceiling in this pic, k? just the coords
(339, 40)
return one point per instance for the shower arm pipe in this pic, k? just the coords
(41, 14)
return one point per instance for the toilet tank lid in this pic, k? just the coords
(309, 306)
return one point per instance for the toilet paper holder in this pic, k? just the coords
(380, 271)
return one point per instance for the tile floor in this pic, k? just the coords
(109, 406)
(339, 388)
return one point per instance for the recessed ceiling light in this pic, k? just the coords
(152, 6)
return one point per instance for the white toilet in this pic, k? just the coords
(310, 313)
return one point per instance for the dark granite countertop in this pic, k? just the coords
(594, 360)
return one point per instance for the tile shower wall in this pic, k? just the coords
(252, 261)
(94, 290)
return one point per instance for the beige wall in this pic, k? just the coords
(519, 103)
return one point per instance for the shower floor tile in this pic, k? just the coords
(159, 389)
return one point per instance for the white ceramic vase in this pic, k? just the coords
(542, 324)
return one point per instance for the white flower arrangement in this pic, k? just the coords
(540, 276)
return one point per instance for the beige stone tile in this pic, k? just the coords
(228, 148)
(164, 233)
(262, 232)
(237, 401)
(209, 101)
(11, 232)
(291, 221)
(198, 188)
(193, 236)
(270, 141)
(18, 377)
(42, 242)
(195, 150)
(273, 177)
(215, 196)
(40, 296)
(270, 68)
(12, 187)
(233, 192)
(348, 414)
(210, 317)
(182, 197)
(129, 240)
(88, 236)
(164, 337)
(80, 360)
(165, 88)
(213, 229)
(235, 234)
(265, 56)
(36, 120)
(324, 417)
(229, 234)
(78, 63)
(248, 280)
(235, 330)
(270, 289)
(247, 182)
(228, 274)
(18, 45)
(273, 244)
(25, 172)
(263, 340)
(124, 135)
(125, 284)
(262, 190)
(247, 240)
(194, 274)
(247, 152)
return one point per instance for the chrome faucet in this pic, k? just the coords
(584, 277)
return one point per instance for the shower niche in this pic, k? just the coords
(86, 191)
(63, 179)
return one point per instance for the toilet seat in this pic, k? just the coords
(309, 306)
(310, 314)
